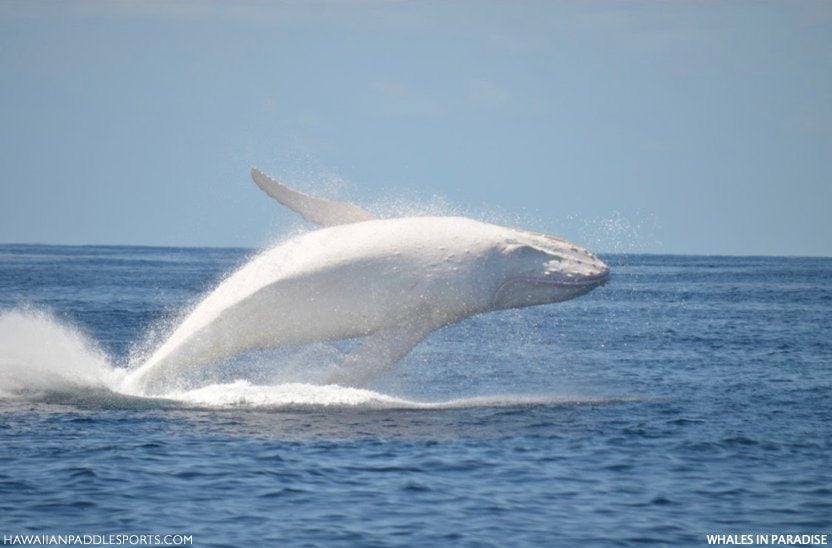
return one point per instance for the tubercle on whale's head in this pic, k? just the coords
(539, 269)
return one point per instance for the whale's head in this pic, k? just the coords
(539, 269)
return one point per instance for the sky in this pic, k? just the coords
(698, 127)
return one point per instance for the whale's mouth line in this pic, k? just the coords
(587, 282)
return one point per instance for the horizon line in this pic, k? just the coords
(252, 248)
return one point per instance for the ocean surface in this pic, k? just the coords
(689, 396)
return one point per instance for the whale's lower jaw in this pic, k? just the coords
(522, 291)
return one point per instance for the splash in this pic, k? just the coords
(301, 395)
(43, 358)
(637, 232)
(39, 353)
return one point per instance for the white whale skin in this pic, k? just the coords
(393, 281)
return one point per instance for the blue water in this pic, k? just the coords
(689, 396)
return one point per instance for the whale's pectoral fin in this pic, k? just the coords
(315, 210)
(380, 351)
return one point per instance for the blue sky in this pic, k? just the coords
(663, 127)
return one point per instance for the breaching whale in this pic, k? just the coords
(392, 281)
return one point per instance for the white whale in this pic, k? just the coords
(393, 281)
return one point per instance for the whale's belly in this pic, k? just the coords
(330, 304)
(319, 307)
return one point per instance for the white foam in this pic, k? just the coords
(39, 353)
(42, 355)
(242, 393)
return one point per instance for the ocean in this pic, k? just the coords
(688, 397)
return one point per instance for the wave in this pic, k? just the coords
(48, 360)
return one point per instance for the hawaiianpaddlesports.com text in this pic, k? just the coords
(107, 539)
